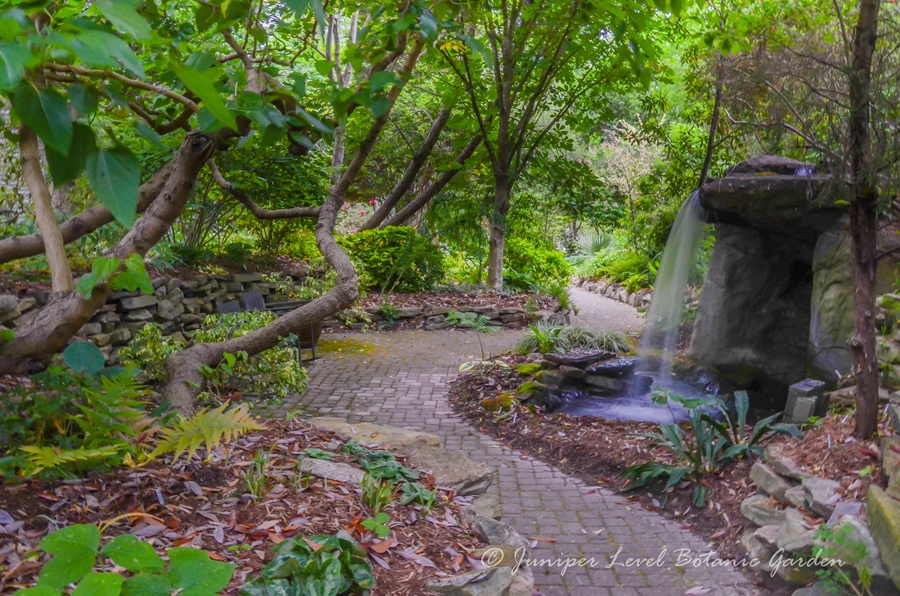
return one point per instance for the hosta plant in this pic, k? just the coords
(139, 570)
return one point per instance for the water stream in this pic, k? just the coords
(660, 336)
(678, 264)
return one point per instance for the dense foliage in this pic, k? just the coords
(395, 259)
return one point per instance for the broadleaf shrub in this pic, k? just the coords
(395, 258)
(75, 549)
(530, 266)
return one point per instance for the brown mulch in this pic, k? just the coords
(202, 503)
(598, 450)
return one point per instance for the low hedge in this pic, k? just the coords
(394, 258)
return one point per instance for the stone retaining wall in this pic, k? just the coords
(639, 299)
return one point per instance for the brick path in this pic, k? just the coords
(402, 382)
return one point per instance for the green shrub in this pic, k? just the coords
(528, 264)
(275, 372)
(395, 258)
(149, 350)
(547, 337)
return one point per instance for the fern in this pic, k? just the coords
(207, 426)
(50, 458)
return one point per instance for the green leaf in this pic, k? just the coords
(202, 87)
(65, 168)
(39, 591)
(46, 112)
(381, 80)
(323, 67)
(428, 25)
(74, 548)
(319, 12)
(13, 57)
(115, 176)
(84, 98)
(133, 554)
(100, 584)
(205, 17)
(98, 48)
(298, 6)
(148, 133)
(196, 574)
(315, 122)
(147, 584)
(82, 357)
(122, 14)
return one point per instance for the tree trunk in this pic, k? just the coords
(863, 223)
(60, 272)
(502, 192)
(36, 343)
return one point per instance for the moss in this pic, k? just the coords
(884, 523)
(526, 387)
(528, 368)
(346, 345)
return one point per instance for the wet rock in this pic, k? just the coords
(579, 358)
(641, 384)
(760, 510)
(884, 523)
(615, 368)
(572, 372)
(821, 495)
(488, 582)
(607, 383)
(551, 379)
(333, 471)
(769, 481)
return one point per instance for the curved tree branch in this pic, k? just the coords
(257, 211)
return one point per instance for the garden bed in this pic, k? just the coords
(205, 504)
(598, 450)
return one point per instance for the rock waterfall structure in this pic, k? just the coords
(776, 304)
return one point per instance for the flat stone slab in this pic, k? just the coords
(579, 358)
(615, 367)
(449, 468)
(400, 439)
(334, 471)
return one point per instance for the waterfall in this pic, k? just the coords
(678, 263)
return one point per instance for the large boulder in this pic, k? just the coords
(883, 517)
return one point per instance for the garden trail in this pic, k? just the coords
(598, 313)
(400, 378)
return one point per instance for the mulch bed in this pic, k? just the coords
(598, 450)
(203, 504)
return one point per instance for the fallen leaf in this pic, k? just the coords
(383, 546)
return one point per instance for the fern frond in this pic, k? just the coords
(49, 458)
(207, 426)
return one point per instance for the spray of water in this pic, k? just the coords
(676, 267)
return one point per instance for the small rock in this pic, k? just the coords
(572, 372)
(140, 315)
(8, 303)
(760, 510)
(246, 278)
(136, 302)
(497, 532)
(794, 536)
(853, 508)
(821, 495)
(782, 464)
(91, 329)
(551, 378)
(407, 313)
(486, 505)
(768, 480)
(768, 535)
(333, 471)
(487, 582)
(756, 549)
(608, 383)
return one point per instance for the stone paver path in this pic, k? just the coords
(597, 312)
(402, 381)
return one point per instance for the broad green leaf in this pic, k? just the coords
(82, 357)
(205, 17)
(133, 554)
(65, 168)
(115, 176)
(319, 12)
(147, 584)
(379, 106)
(193, 572)
(46, 112)
(381, 80)
(13, 57)
(428, 25)
(74, 547)
(298, 6)
(323, 67)
(148, 133)
(100, 584)
(84, 98)
(98, 48)
(315, 122)
(124, 16)
(203, 88)
(39, 591)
